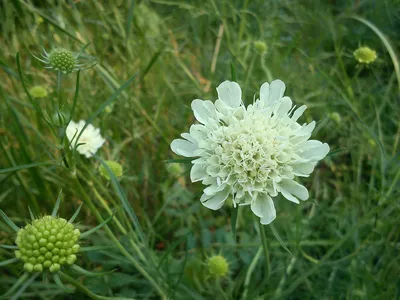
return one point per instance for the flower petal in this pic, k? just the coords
(230, 93)
(297, 114)
(292, 190)
(215, 201)
(198, 172)
(283, 107)
(203, 110)
(276, 90)
(264, 208)
(304, 169)
(264, 93)
(183, 147)
(314, 150)
(262, 205)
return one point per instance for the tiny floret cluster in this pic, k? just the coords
(38, 92)
(61, 60)
(47, 243)
(217, 266)
(250, 154)
(365, 55)
(88, 142)
(114, 166)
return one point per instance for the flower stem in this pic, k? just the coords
(85, 290)
(115, 240)
(265, 248)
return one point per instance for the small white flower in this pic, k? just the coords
(250, 153)
(90, 141)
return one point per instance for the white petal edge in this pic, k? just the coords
(292, 190)
(184, 148)
(216, 201)
(230, 93)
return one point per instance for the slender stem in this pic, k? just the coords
(100, 219)
(250, 271)
(85, 290)
(265, 248)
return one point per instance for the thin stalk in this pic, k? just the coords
(265, 248)
(250, 271)
(85, 290)
(115, 240)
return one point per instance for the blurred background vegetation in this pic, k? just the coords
(341, 244)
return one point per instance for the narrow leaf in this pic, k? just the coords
(8, 262)
(277, 236)
(16, 285)
(13, 247)
(75, 214)
(233, 72)
(82, 271)
(121, 195)
(8, 221)
(106, 103)
(58, 281)
(93, 230)
(57, 205)
(27, 166)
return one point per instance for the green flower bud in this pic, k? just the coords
(175, 170)
(62, 60)
(47, 244)
(261, 47)
(335, 117)
(115, 167)
(365, 55)
(218, 266)
(38, 92)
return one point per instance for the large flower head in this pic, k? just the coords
(88, 142)
(253, 153)
(49, 242)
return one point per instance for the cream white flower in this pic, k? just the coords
(250, 153)
(90, 141)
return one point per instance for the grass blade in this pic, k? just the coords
(121, 195)
(93, 230)
(27, 166)
(8, 221)
(57, 205)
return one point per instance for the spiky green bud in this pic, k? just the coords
(38, 92)
(217, 266)
(47, 243)
(365, 55)
(115, 167)
(62, 60)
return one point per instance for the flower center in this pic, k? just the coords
(248, 151)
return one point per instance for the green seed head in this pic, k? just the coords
(261, 47)
(47, 243)
(365, 55)
(217, 266)
(38, 92)
(115, 167)
(62, 60)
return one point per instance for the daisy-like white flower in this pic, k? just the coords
(253, 153)
(88, 142)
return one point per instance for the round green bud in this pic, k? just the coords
(261, 47)
(115, 167)
(175, 170)
(48, 243)
(62, 60)
(28, 267)
(365, 55)
(335, 117)
(38, 92)
(217, 266)
(38, 268)
(54, 268)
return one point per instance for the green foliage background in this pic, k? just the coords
(343, 242)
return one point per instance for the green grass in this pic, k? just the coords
(343, 243)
